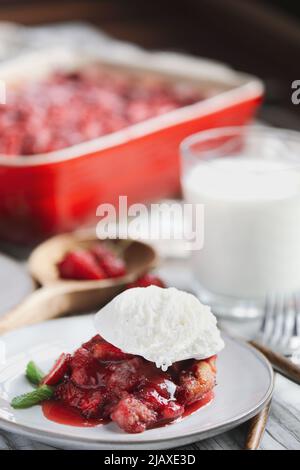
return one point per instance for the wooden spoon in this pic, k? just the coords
(58, 297)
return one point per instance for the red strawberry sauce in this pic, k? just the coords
(60, 413)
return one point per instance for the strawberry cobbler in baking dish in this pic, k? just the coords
(154, 362)
(66, 109)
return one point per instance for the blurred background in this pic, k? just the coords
(261, 37)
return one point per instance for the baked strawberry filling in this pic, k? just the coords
(99, 381)
(69, 108)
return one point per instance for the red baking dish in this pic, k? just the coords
(57, 192)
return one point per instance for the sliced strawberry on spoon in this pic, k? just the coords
(111, 264)
(80, 264)
(58, 371)
(99, 250)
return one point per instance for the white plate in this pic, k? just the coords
(245, 384)
(15, 283)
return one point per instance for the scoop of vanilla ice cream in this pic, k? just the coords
(162, 325)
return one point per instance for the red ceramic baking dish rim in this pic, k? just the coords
(249, 90)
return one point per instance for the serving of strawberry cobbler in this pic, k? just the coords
(153, 362)
(99, 383)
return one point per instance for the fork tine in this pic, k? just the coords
(280, 326)
(296, 326)
(263, 325)
(266, 327)
(287, 311)
(278, 323)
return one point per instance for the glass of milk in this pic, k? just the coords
(248, 179)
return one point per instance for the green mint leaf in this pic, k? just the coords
(34, 374)
(33, 398)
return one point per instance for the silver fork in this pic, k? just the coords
(280, 328)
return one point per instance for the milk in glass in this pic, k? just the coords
(251, 225)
